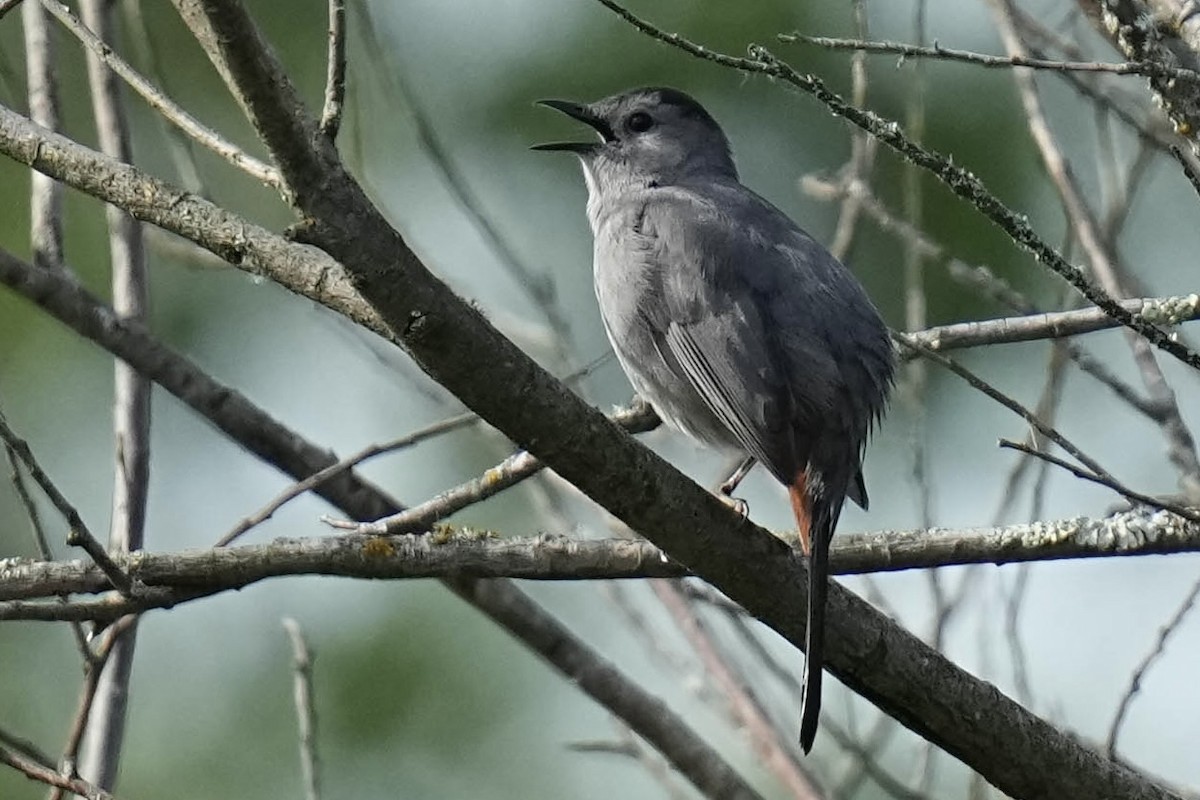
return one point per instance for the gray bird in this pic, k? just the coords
(735, 325)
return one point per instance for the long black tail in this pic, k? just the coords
(814, 638)
(817, 503)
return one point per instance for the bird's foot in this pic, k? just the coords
(736, 503)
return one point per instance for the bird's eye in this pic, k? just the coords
(639, 122)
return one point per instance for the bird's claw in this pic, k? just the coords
(736, 503)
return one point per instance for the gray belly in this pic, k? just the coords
(678, 404)
(628, 310)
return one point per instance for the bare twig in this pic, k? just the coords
(45, 199)
(335, 77)
(319, 477)
(1166, 311)
(638, 419)
(1013, 606)
(131, 406)
(1189, 169)
(43, 774)
(627, 746)
(746, 710)
(936, 51)
(78, 534)
(862, 149)
(160, 102)
(1135, 682)
(31, 511)
(93, 674)
(181, 147)
(1104, 480)
(173, 577)
(983, 386)
(306, 712)
(8, 5)
(504, 475)
(41, 540)
(539, 286)
(26, 748)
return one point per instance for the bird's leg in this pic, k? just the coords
(730, 484)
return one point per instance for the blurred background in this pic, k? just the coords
(419, 696)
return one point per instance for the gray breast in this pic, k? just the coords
(628, 282)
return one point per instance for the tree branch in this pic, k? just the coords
(1165, 311)
(905, 50)
(454, 551)
(99, 50)
(101, 754)
(1162, 32)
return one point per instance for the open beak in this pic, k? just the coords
(584, 115)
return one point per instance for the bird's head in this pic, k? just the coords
(654, 136)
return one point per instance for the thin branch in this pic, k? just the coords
(93, 675)
(1007, 330)
(1012, 405)
(1104, 480)
(8, 5)
(105, 737)
(509, 472)
(41, 541)
(960, 181)
(1013, 606)
(149, 50)
(1135, 682)
(31, 511)
(335, 76)
(463, 551)
(540, 286)
(306, 712)
(639, 418)
(169, 110)
(42, 774)
(78, 534)
(862, 150)
(627, 746)
(1144, 68)
(26, 748)
(350, 462)
(45, 199)
(643, 711)
(771, 746)
(1189, 169)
